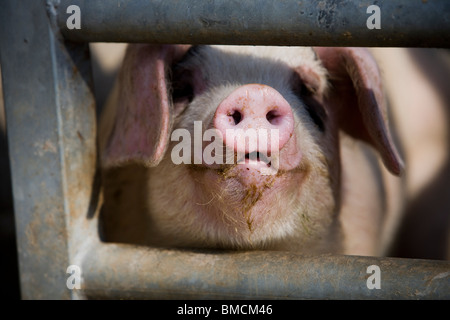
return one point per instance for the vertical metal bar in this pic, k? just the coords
(50, 115)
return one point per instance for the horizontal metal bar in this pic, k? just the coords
(50, 116)
(403, 23)
(121, 271)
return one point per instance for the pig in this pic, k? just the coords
(416, 82)
(338, 186)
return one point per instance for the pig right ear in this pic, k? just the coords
(356, 94)
(144, 115)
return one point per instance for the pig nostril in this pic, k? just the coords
(237, 116)
(272, 117)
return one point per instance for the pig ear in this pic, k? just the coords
(143, 118)
(357, 94)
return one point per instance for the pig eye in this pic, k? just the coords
(181, 86)
(306, 90)
(182, 93)
(306, 94)
(182, 77)
(316, 113)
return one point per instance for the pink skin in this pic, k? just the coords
(258, 107)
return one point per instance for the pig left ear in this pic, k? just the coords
(144, 113)
(357, 94)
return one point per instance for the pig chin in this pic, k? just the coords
(234, 206)
(244, 207)
(247, 203)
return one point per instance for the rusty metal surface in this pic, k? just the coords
(126, 272)
(404, 23)
(50, 116)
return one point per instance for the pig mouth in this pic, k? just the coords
(255, 157)
(254, 165)
(243, 194)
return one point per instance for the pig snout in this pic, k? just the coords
(255, 122)
(257, 107)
